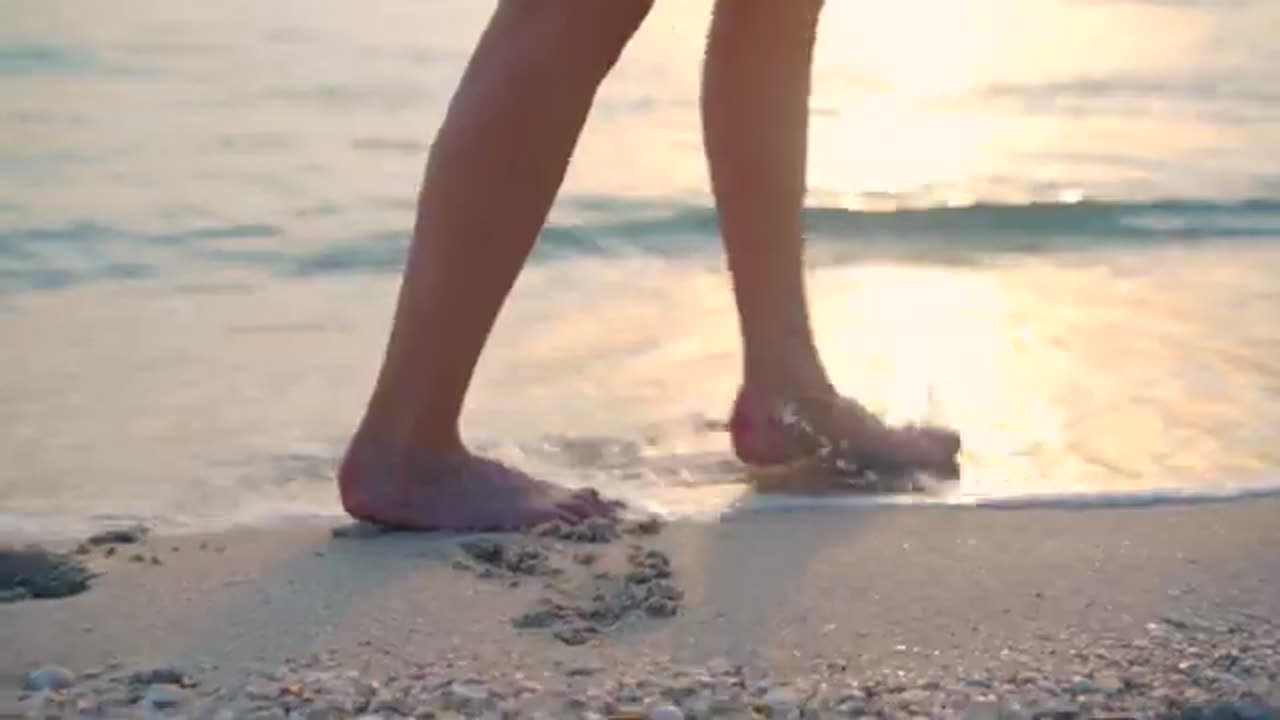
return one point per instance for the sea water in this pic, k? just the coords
(1052, 224)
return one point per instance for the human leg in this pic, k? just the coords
(491, 177)
(755, 107)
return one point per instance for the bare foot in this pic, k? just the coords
(455, 490)
(775, 431)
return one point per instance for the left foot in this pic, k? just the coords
(773, 429)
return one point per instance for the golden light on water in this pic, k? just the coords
(871, 152)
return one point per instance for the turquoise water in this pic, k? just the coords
(1054, 224)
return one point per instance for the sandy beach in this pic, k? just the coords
(893, 612)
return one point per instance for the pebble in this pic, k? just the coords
(49, 677)
(666, 712)
(119, 536)
(164, 697)
(1159, 680)
(1109, 683)
(166, 675)
(576, 634)
(780, 700)
(1083, 686)
(982, 710)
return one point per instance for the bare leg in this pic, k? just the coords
(755, 112)
(491, 178)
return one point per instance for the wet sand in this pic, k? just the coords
(1135, 608)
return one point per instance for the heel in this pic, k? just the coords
(757, 437)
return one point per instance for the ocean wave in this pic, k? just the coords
(33, 258)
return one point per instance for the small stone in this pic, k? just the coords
(978, 681)
(576, 634)
(1083, 686)
(110, 551)
(982, 710)
(164, 697)
(1254, 709)
(261, 690)
(137, 558)
(469, 691)
(780, 701)
(161, 676)
(666, 712)
(49, 677)
(913, 698)
(1010, 709)
(119, 536)
(1059, 711)
(1109, 683)
(527, 687)
(1231, 682)
(156, 560)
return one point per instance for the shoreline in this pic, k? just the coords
(1156, 498)
(1137, 608)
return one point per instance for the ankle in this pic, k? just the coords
(800, 383)
(386, 431)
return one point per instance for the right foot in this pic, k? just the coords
(455, 491)
(840, 430)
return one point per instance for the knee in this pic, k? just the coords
(595, 30)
